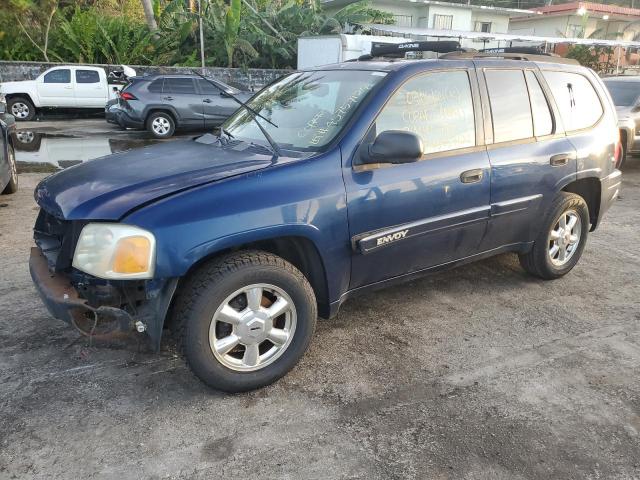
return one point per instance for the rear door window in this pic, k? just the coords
(206, 88)
(179, 85)
(62, 75)
(510, 108)
(577, 100)
(542, 118)
(87, 76)
(438, 107)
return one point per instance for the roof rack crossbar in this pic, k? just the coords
(510, 56)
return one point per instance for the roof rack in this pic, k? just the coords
(538, 57)
(397, 50)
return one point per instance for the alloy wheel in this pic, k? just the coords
(13, 165)
(253, 327)
(564, 238)
(161, 126)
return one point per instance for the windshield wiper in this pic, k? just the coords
(252, 113)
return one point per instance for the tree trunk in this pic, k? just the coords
(148, 13)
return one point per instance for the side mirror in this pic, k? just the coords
(394, 146)
(3, 107)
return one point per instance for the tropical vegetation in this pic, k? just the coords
(237, 33)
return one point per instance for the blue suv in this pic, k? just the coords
(330, 182)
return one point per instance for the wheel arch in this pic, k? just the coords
(25, 95)
(299, 250)
(590, 190)
(164, 109)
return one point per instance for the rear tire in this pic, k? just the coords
(561, 240)
(12, 186)
(21, 108)
(161, 125)
(228, 313)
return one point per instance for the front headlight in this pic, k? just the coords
(115, 251)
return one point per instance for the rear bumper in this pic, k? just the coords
(122, 118)
(609, 191)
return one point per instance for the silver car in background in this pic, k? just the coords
(625, 92)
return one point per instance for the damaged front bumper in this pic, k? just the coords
(64, 302)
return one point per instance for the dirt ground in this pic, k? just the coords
(480, 373)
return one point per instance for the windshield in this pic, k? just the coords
(309, 108)
(624, 94)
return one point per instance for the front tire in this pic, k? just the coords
(161, 125)
(12, 186)
(561, 240)
(245, 320)
(21, 108)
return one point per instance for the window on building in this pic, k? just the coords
(437, 107)
(403, 20)
(87, 76)
(178, 85)
(510, 109)
(575, 31)
(442, 22)
(483, 27)
(58, 76)
(542, 119)
(578, 102)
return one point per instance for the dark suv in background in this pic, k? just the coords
(164, 103)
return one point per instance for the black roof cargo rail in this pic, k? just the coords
(397, 50)
(548, 58)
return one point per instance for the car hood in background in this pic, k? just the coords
(108, 188)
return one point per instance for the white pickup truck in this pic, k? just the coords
(61, 87)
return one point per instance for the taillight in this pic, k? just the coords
(617, 156)
(127, 96)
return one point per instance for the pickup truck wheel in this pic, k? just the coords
(561, 240)
(12, 186)
(21, 108)
(245, 320)
(161, 125)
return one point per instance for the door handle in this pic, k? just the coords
(167, 98)
(207, 100)
(471, 176)
(561, 159)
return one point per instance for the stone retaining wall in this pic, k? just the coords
(250, 79)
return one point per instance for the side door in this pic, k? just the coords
(528, 150)
(90, 89)
(55, 89)
(181, 94)
(216, 106)
(409, 217)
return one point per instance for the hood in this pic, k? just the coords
(108, 188)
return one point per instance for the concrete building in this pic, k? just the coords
(578, 20)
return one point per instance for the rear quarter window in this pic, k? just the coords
(156, 86)
(579, 104)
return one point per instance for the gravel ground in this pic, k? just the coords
(481, 372)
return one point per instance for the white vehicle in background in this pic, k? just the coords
(74, 86)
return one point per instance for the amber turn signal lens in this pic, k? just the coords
(132, 255)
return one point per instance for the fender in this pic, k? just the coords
(209, 249)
